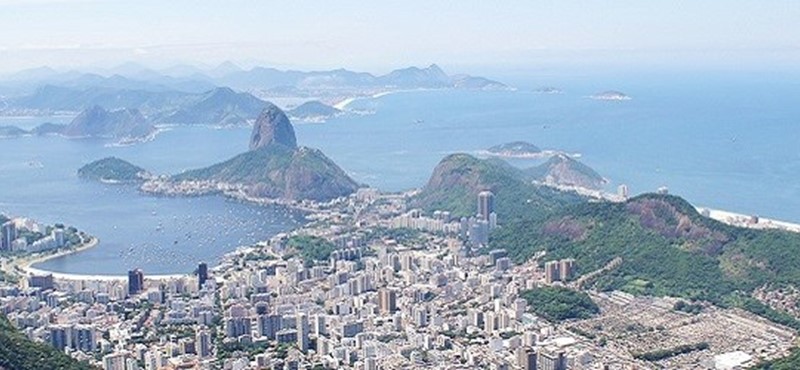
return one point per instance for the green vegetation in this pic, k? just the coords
(671, 352)
(458, 178)
(791, 362)
(277, 171)
(667, 248)
(690, 308)
(311, 248)
(112, 169)
(403, 236)
(515, 148)
(559, 304)
(564, 170)
(19, 352)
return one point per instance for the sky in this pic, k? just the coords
(378, 36)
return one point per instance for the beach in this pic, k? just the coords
(24, 264)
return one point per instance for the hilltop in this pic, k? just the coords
(560, 169)
(221, 106)
(275, 167)
(112, 169)
(119, 124)
(666, 246)
(313, 111)
(458, 178)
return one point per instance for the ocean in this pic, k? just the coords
(726, 140)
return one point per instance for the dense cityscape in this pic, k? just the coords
(370, 284)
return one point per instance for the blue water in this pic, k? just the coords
(162, 235)
(726, 141)
(723, 141)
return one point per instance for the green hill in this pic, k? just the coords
(112, 169)
(19, 352)
(562, 170)
(667, 248)
(458, 178)
(276, 171)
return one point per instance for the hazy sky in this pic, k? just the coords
(378, 36)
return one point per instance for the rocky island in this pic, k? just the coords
(113, 170)
(548, 90)
(313, 112)
(610, 95)
(274, 168)
(515, 149)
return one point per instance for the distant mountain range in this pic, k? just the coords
(161, 93)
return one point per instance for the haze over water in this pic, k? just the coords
(727, 141)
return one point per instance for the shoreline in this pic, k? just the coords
(25, 267)
(726, 217)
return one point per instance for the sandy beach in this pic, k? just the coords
(741, 220)
(25, 264)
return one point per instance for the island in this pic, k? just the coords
(275, 168)
(113, 170)
(97, 122)
(11, 132)
(313, 112)
(548, 90)
(610, 95)
(515, 149)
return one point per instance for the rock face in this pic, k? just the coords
(272, 127)
(276, 168)
(563, 170)
(120, 124)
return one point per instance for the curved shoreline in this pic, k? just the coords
(25, 265)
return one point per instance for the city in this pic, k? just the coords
(385, 288)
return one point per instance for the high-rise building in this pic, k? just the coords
(551, 272)
(60, 336)
(387, 301)
(566, 268)
(202, 343)
(320, 328)
(485, 204)
(526, 358)
(58, 236)
(115, 361)
(269, 325)
(41, 281)
(83, 338)
(552, 361)
(135, 281)
(9, 235)
(302, 332)
(238, 326)
(622, 191)
(202, 274)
